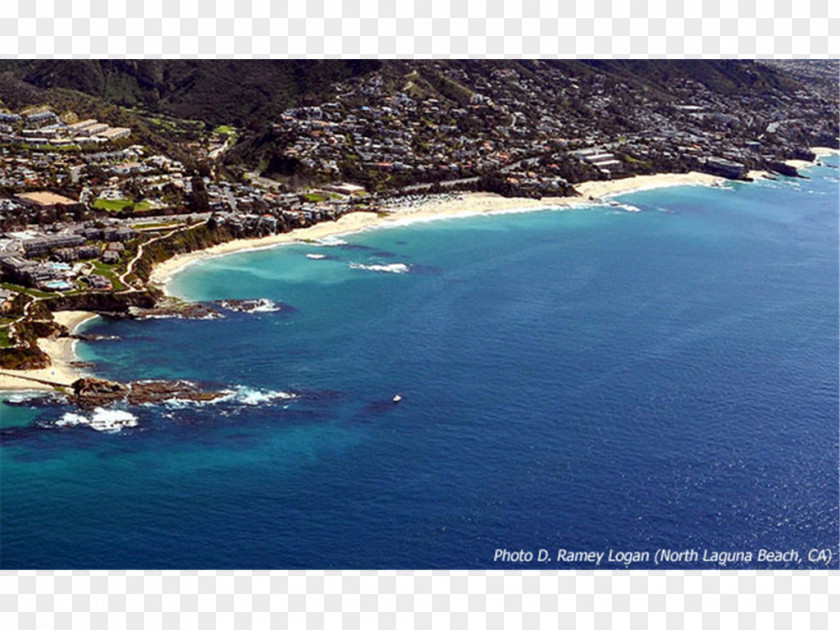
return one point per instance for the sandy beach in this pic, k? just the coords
(818, 151)
(599, 189)
(797, 164)
(61, 352)
(466, 204)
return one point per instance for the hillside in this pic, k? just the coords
(394, 123)
(238, 92)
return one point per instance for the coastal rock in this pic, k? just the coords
(176, 310)
(784, 169)
(261, 305)
(152, 392)
(95, 392)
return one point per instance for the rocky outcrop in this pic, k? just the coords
(159, 391)
(783, 169)
(172, 308)
(96, 392)
(726, 168)
(261, 305)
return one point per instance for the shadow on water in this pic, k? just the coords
(376, 408)
(426, 270)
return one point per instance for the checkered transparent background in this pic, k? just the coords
(460, 28)
(422, 599)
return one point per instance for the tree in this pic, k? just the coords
(199, 201)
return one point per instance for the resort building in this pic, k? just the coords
(115, 132)
(93, 130)
(40, 246)
(84, 124)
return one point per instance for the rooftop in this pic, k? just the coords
(45, 198)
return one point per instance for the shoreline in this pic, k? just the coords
(468, 204)
(62, 353)
(818, 152)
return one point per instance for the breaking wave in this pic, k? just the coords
(329, 241)
(392, 268)
(316, 256)
(179, 316)
(261, 305)
(19, 400)
(241, 394)
(628, 207)
(108, 420)
(252, 396)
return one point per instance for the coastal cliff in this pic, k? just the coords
(104, 303)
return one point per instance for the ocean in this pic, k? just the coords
(619, 379)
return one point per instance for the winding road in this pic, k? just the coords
(130, 266)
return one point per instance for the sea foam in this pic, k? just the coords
(260, 305)
(253, 397)
(108, 420)
(392, 268)
(329, 241)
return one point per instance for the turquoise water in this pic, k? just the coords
(584, 379)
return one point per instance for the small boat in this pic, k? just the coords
(397, 398)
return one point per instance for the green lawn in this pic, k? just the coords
(315, 197)
(115, 205)
(52, 148)
(28, 291)
(149, 226)
(225, 129)
(109, 272)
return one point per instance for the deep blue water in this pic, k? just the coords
(589, 379)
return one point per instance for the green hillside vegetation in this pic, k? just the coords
(218, 92)
(116, 205)
(170, 103)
